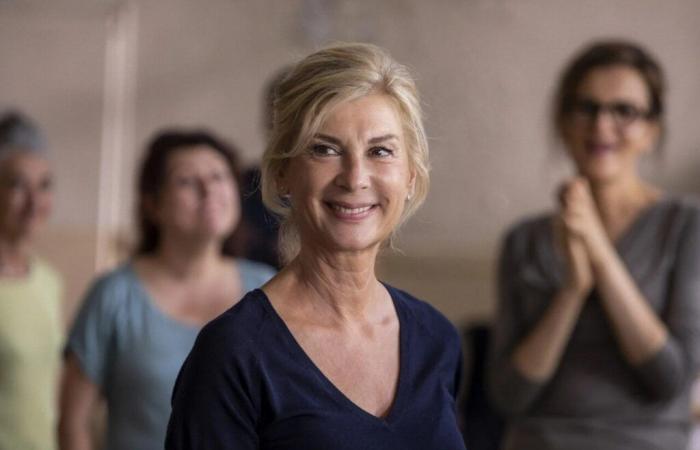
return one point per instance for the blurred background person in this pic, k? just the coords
(694, 441)
(138, 323)
(325, 356)
(597, 336)
(31, 330)
(259, 232)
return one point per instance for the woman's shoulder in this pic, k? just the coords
(108, 290)
(423, 313)
(46, 274)
(530, 226)
(686, 204)
(678, 214)
(241, 326)
(119, 278)
(528, 236)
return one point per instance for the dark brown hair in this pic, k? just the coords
(152, 177)
(605, 54)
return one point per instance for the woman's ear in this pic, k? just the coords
(411, 184)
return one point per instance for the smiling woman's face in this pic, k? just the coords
(348, 189)
(604, 137)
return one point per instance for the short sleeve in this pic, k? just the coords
(91, 335)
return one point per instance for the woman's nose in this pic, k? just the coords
(604, 120)
(354, 172)
(204, 187)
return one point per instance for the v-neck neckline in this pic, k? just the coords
(625, 239)
(397, 403)
(152, 304)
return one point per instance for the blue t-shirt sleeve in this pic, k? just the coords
(254, 274)
(215, 405)
(91, 335)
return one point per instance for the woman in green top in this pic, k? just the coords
(30, 324)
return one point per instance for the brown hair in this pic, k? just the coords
(152, 177)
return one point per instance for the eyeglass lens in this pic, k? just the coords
(623, 113)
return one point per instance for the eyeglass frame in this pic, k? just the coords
(616, 110)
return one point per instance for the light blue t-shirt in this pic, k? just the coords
(133, 352)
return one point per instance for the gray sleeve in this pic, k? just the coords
(675, 365)
(510, 392)
(92, 332)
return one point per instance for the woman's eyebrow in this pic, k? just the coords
(386, 137)
(374, 140)
(328, 138)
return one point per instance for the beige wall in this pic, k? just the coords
(102, 75)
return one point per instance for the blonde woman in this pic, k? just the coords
(325, 356)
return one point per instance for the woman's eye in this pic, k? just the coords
(184, 181)
(46, 184)
(381, 152)
(14, 183)
(323, 150)
(625, 110)
(218, 176)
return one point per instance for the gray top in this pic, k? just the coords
(595, 399)
(133, 351)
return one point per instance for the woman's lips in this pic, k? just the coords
(596, 149)
(351, 212)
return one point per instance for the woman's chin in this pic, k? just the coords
(602, 173)
(353, 245)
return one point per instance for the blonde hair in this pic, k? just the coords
(332, 75)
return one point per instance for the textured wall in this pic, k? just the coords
(485, 69)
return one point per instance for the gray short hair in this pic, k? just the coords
(20, 133)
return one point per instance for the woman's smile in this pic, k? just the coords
(351, 212)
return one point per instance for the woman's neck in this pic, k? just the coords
(186, 261)
(343, 286)
(14, 258)
(620, 202)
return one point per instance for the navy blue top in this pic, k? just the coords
(247, 384)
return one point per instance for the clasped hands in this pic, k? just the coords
(580, 234)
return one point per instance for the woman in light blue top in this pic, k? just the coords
(138, 323)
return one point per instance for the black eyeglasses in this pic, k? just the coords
(622, 113)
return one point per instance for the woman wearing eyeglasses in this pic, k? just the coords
(598, 332)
